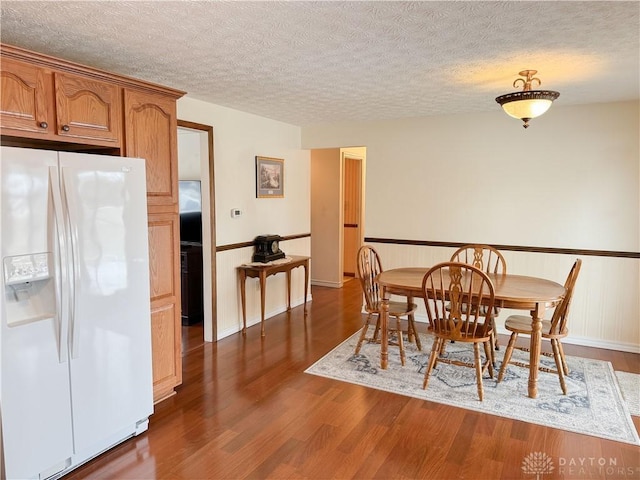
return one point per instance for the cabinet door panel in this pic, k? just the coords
(167, 366)
(26, 98)
(151, 133)
(164, 269)
(88, 109)
(164, 244)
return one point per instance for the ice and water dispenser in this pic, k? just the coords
(29, 288)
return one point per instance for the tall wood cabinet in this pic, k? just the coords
(47, 102)
(151, 130)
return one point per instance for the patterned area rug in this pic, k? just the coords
(593, 405)
(630, 386)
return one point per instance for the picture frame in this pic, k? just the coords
(269, 177)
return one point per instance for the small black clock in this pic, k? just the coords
(267, 248)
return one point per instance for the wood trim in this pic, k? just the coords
(234, 246)
(512, 248)
(212, 218)
(60, 65)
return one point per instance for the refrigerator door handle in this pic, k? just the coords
(60, 277)
(74, 273)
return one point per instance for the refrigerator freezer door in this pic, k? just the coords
(35, 393)
(110, 325)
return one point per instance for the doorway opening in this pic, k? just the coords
(352, 213)
(337, 213)
(195, 164)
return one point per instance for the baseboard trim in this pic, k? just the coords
(320, 283)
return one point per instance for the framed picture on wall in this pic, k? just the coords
(269, 177)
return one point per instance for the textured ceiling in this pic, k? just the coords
(316, 62)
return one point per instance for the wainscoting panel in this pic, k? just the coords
(605, 311)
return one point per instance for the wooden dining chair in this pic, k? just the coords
(453, 293)
(553, 330)
(489, 260)
(369, 267)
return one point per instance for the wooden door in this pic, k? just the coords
(352, 206)
(88, 109)
(26, 99)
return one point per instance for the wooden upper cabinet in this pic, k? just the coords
(40, 103)
(151, 132)
(88, 109)
(26, 99)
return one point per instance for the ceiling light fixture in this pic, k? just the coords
(528, 103)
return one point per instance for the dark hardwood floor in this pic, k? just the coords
(247, 410)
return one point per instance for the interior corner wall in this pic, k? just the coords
(238, 138)
(326, 209)
(571, 180)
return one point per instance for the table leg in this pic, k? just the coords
(384, 323)
(289, 290)
(243, 279)
(413, 332)
(534, 350)
(263, 286)
(410, 332)
(306, 283)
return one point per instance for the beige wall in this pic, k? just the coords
(326, 208)
(238, 138)
(571, 180)
(327, 233)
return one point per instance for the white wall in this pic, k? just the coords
(238, 138)
(571, 180)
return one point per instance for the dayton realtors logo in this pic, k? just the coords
(537, 463)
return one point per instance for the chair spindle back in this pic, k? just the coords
(369, 266)
(453, 293)
(485, 257)
(561, 313)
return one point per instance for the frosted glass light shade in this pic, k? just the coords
(527, 104)
(526, 108)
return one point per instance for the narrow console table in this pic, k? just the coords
(262, 271)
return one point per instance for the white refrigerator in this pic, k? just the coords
(75, 339)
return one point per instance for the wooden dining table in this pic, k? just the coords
(511, 291)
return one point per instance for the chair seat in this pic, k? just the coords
(522, 324)
(464, 338)
(397, 308)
